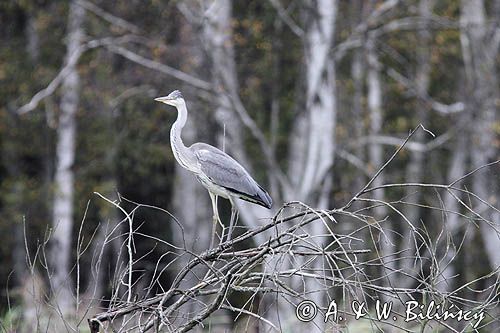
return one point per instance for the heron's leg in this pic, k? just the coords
(232, 222)
(217, 212)
(234, 217)
(215, 217)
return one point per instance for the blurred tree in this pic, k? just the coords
(62, 223)
(417, 160)
(479, 54)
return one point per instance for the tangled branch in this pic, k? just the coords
(343, 260)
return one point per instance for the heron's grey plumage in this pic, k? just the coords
(224, 171)
(175, 94)
(216, 170)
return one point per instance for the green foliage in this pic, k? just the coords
(11, 319)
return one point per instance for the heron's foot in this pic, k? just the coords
(232, 222)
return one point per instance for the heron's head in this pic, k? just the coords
(174, 98)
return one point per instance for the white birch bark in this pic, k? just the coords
(217, 34)
(453, 223)
(62, 224)
(320, 96)
(415, 168)
(218, 39)
(312, 152)
(422, 77)
(358, 68)
(375, 151)
(483, 87)
(312, 145)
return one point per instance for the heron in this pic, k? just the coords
(218, 172)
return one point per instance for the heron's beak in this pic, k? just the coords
(165, 99)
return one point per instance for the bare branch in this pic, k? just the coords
(382, 167)
(232, 270)
(157, 66)
(355, 39)
(283, 15)
(405, 24)
(54, 84)
(72, 61)
(435, 105)
(413, 146)
(353, 159)
(249, 123)
(117, 21)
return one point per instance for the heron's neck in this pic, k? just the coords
(182, 153)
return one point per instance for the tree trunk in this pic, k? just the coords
(482, 85)
(219, 44)
(358, 69)
(415, 168)
(312, 147)
(452, 219)
(376, 156)
(62, 224)
(320, 100)
(310, 159)
(217, 33)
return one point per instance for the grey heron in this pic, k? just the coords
(218, 172)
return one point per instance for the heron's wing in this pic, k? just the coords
(224, 171)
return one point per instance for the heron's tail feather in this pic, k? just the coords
(265, 198)
(261, 197)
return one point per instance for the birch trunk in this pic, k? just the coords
(62, 223)
(316, 147)
(358, 69)
(376, 154)
(218, 38)
(451, 206)
(482, 85)
(415, 168)
(217, 34)
(312, 145)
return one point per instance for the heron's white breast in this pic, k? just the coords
(211, 187)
